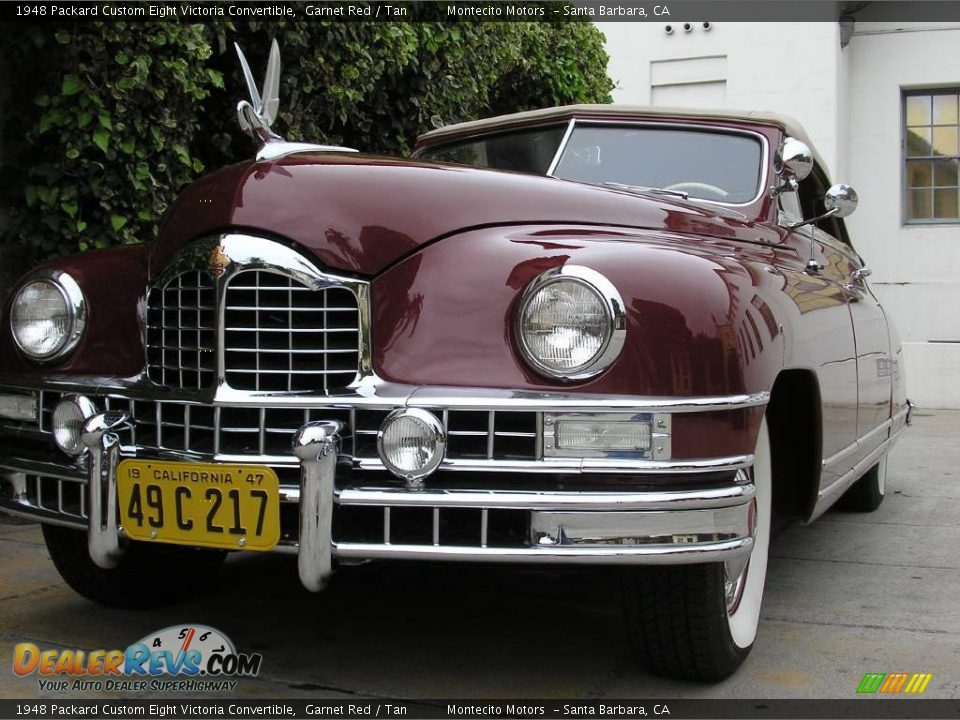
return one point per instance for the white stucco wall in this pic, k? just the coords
(849, 101)
(916, 267)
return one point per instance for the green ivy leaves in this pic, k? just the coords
(118, 118)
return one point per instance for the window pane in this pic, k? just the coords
(919, 204)
(944, 172)
(918, 110)
(523, 150)
(919, 173)
(945, 140)
(945, 203)
(918, 141)
(945, 110)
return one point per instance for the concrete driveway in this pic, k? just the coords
(848, 595)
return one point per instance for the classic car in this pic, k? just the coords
(583, 335)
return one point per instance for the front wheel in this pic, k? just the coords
(147, 576)
(700, 621)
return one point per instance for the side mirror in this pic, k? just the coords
(841, 200)
(794, 159)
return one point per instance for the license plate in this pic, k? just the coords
(234, 507)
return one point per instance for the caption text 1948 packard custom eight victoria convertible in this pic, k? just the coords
(589, 334)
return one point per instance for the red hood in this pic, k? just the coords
(361, 213)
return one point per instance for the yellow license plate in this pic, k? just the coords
(234, 507)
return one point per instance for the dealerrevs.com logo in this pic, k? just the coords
(187, 658)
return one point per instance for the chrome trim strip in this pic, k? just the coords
(828, 495)
(281, 148)
(43, 468)
(561, 147)
(560, 465)
(858, 443)
(496, 399)
(626, 529)
(373, 392)
(653, 500)
(679, 554)
(26, 511)
(586, 465)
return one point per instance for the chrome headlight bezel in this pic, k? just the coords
(76, 306)
(616, 321)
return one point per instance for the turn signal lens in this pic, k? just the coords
(604, 436)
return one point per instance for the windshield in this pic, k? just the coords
(709, 165)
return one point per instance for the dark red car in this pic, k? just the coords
(589, 334)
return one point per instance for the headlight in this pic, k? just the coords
(48, 316)
(571, 323)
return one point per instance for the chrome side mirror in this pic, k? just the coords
(841, 200)
(794, 159)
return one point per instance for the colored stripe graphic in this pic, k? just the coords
(892, 683)
(871, 682)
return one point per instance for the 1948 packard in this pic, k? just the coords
(588, 334)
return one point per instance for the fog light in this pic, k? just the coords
(411, 443)
(68, 419)
(602, 435)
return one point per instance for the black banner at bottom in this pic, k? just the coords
(483, 709)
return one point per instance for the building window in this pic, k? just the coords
(931, 155)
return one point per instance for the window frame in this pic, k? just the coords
(906, 92)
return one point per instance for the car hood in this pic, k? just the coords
(361, 214)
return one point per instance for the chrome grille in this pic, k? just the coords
(198, 428)
(280, 335)
(60, 495)
(181, 332)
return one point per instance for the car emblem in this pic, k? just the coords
(219, 261)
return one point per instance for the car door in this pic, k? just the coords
(824, 339)
(844, 266)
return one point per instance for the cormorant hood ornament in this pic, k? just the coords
(258, 114)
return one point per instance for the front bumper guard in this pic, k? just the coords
(659, 527)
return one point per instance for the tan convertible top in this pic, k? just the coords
(503, 122)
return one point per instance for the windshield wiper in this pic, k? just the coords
(648, 190)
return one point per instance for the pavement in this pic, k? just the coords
(847, 595)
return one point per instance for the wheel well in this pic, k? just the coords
(794, 422)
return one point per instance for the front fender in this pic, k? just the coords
(445, 315)
(113, 282)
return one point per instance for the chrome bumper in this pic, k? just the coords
(652, 527)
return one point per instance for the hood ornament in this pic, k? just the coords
(258, 114)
